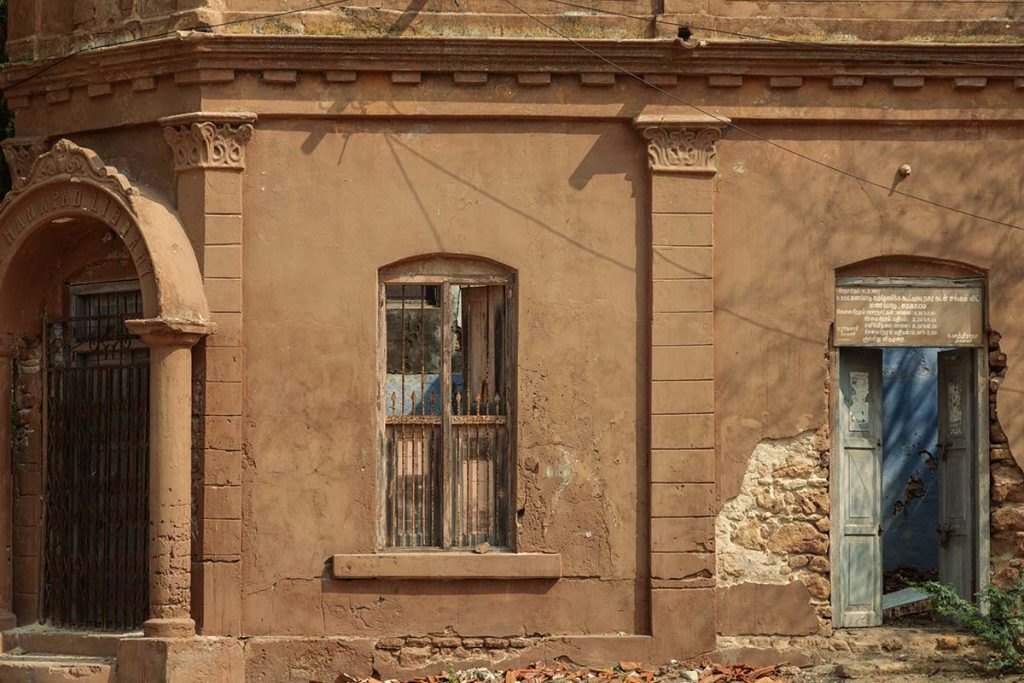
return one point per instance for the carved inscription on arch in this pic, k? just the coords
(86, 201)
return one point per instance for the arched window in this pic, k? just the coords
(447, 403)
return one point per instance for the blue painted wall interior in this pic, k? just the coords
(910, 487)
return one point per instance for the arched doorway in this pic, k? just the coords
(100, 303)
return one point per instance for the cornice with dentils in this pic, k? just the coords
(191, 52)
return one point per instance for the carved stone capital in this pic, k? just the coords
(682, 144)
(208, 140)
(20, 154)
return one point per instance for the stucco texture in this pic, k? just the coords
(531, 196)
(784, 227)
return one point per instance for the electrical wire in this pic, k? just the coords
(756, 136)
(845, 49)
(165, 34)
(593, 53)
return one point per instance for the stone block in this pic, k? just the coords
(222, 468)
(224, 433)
(222, 261)
(223, 398)
(222, 539)
(223, 229)
(682, 362)
(682, 431)
(683, 465)
(1007, 483)
(222, 502)
(187, 660)
(1008, 518)
(682, 396)
(681, 193)
(229, 329)
(681, 329)
(224, 295)
(682, 500)
(682, 263)
(798, 537)
(678, 296)
(224, 364)
(222, 191)
(219, 589)
(281, 660)
(689, 535)
(683, 622)
(681, 230)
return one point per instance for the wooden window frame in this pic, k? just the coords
(445, 271)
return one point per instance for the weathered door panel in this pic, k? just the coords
(956, 481)
(858, 589)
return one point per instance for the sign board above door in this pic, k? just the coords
(905, 312)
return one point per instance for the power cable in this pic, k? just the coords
(846, 49)
(756, 136)
(201, 27)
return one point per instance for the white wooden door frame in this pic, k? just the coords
(982, 560)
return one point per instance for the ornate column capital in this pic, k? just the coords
(682, 144)
(20, 154)
(209, 139)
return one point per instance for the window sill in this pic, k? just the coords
(448, 565)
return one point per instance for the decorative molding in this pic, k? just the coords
(689, 150)
(20, 154)
(157, 332)
(682, 144)
(199, 60)
(68, 161)
(208, 139)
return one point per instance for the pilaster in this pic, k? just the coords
(209, 157)
(682, 159)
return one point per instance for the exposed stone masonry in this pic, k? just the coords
(1007, 483)
(776, 530)
(418, 651)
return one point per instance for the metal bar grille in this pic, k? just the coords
(96, 514)
(446, 463)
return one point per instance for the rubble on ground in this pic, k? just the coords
(623, 672)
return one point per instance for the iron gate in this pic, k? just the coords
(97, 420)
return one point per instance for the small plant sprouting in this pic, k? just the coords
(1002, 627)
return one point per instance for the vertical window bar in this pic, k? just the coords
(447, 456)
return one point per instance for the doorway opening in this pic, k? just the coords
(96, 461)
(909, 482)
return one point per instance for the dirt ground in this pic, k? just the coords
(912, 649)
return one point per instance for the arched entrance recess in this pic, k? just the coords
(67, 184)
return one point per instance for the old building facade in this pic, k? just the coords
(352, 339)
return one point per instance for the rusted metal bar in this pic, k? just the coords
(95, 521)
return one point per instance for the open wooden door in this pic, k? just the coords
(857, 583)
(957, 436)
